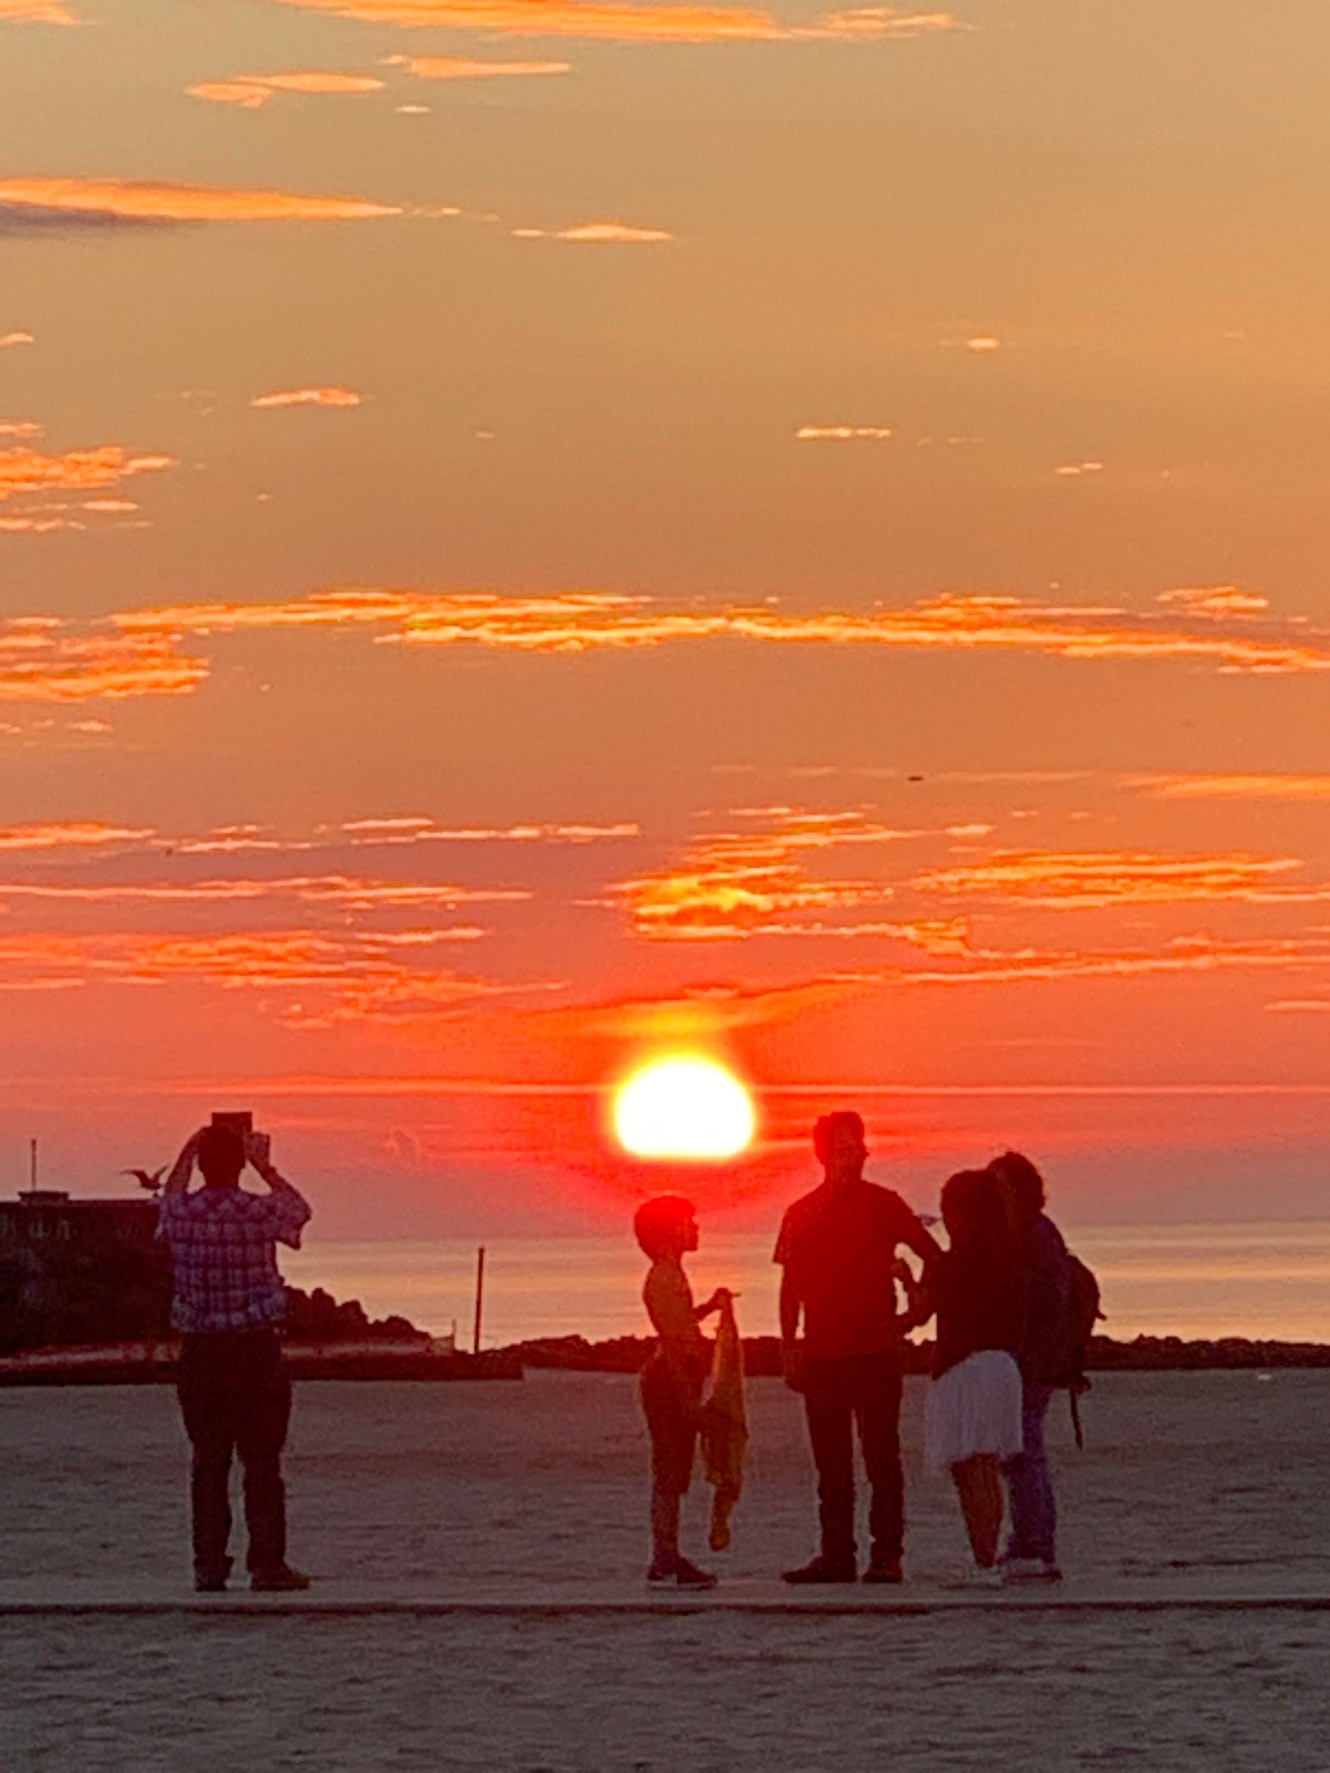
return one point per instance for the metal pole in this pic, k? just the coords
(480, 1296)
(32, 1165)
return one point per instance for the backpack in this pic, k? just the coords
(1083, 1314)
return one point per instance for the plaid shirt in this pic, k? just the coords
(223, 1250)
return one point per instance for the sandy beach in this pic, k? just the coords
(505, 1524)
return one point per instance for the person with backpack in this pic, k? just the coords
(1049, 1360)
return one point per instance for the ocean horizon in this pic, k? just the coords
(1266, 1280)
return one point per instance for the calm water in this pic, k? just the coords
(1182, 1280)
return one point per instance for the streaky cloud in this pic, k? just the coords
(114, 200)
(627, 23)
(250, 92)
(453, 67)
(324, 396)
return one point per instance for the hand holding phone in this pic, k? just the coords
(258, 1149)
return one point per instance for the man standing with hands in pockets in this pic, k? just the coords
(837, 1247)
(235, 1396)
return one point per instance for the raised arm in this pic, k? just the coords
(183, 1167)
(291, 1211)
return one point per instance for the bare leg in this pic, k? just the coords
(980, 1490)
(664, 1529)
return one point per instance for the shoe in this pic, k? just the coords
(211, 1578)
(660, 1572)
(820, 1569)
(689, 1576)
(884, 1570)
(1018, 1571)
(986, 1576)
(282, 1580)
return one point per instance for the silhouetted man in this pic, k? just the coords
(838, 1248)
(235, 1395)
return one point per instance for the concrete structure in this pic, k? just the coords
(80, 1271)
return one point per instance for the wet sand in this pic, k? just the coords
(527, 1501)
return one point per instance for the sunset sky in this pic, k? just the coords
(537, 533)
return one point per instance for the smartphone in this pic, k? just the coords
(238, 1120)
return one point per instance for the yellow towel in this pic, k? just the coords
(725, 1428)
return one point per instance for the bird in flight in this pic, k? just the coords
(151, 1181)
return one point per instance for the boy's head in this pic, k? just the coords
(666, 1226)
(221, 1157)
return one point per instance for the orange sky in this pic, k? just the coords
(537, 534)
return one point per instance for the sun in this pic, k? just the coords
(684, 1107)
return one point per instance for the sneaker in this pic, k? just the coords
(282, 1580)
(884, 1570)
(689, 1576)
(1023, 1570)
(821, 1569)
(986, 1576)
(662, 1572)
(212, 1581)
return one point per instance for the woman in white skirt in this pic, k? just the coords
(972, 1416)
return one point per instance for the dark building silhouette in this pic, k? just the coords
(80, 1271)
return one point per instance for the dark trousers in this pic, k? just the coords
(862, 1391)
(235, 1397)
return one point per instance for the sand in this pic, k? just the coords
(510, 1518)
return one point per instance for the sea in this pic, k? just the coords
(1193, 1281)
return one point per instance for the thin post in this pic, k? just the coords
(480, 1297)
(32, 1165)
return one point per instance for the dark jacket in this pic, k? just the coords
(1045, 1350)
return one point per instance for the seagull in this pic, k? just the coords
(152, 1182)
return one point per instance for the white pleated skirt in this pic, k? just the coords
(975, 1407)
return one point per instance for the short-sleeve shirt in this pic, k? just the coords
(223, 1252)
(838, 1248)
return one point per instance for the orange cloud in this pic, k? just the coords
(1184, 954)
(1047, 878)
(9, 339)
(339, 891)
(597, 234)
(450, 67)
(35, 12)
(40, 662)
(252, 91)
(1235, 787)
(308, 397)
(756, 882)
(626, 23)
(842, 433)
(28, 470)
(422, 830)
(312, 978)
(581, 620)
(67, 834)
(149, 644)
(1216, 600)
(144, 201)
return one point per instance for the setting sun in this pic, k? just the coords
(684, 1107)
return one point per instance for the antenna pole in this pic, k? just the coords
(480, 1297)
(32, 1165)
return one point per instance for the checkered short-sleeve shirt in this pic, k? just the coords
(223, 1244)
